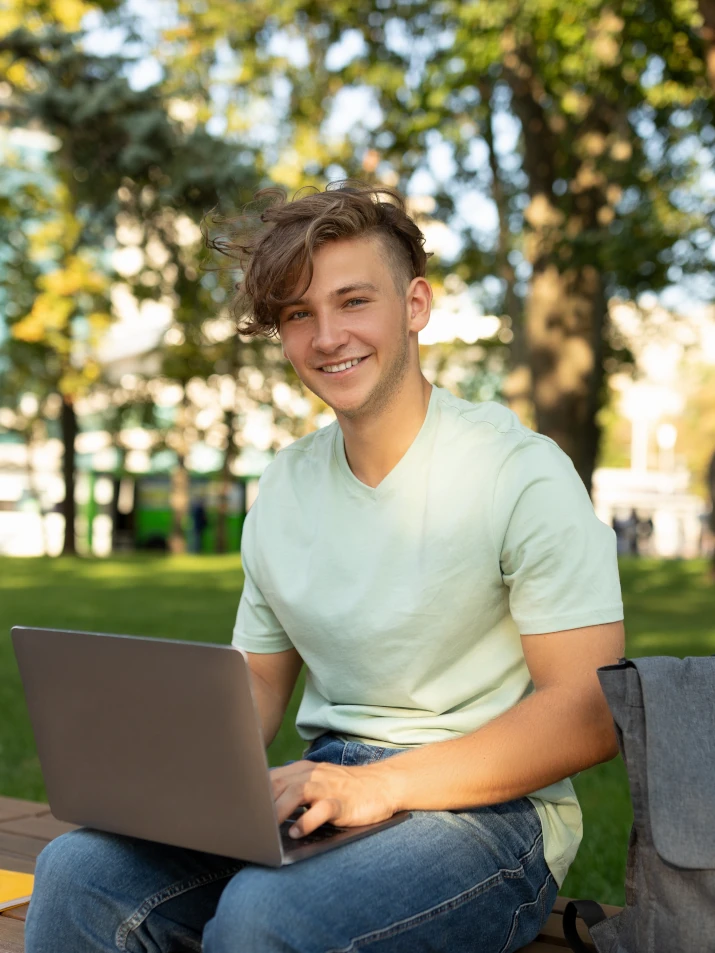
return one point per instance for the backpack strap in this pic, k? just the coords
(590, 912)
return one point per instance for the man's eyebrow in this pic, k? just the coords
(339, 292)
(357, 286)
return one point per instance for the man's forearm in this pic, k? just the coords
(270, 707)
(546, 737)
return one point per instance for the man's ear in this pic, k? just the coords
(419, 304)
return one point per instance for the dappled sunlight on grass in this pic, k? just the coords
(661, 643)
(669, 606)
(140, 570)
(600, 866)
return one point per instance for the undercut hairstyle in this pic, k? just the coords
(274, 248)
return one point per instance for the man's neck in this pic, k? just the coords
(374, 445)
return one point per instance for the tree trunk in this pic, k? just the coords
(179, 493)
(69, 435)
(225, 487)
(707, 31)
(179, 502)
(517, 386)
(566, 312)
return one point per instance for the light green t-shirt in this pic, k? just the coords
(406, 601)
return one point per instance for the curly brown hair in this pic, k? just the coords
(274, 248)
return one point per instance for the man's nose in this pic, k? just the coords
(329, 335)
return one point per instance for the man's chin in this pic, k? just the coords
(347, 405)
(349, 413)
(363, 402)
(347, 408)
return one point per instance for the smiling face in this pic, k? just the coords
(352, 337)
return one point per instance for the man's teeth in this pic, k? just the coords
(334, 368)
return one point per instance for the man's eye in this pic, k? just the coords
(296, 314)
(355, 301)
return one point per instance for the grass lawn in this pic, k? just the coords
(670, 610)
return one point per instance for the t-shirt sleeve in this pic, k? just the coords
(557, 558)
(257, 629)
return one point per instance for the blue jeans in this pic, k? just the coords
(468, 882)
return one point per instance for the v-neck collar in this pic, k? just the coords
(410, 456)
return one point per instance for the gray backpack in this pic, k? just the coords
(664, 710)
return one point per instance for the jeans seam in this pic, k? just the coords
(539, 899)
(545, 914)
(458, 900)
(168, 893)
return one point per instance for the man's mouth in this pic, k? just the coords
(343, 366)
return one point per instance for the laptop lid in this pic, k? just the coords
(150, 738)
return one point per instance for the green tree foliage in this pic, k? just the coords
(579, 133)
(161, 217)
(27, 367)
(56, 89)
(596, 195)
(120, 162)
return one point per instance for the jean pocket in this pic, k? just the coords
(514, 823)
(325, 748)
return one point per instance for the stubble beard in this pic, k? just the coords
(387, 386)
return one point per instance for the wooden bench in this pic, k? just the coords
(26, 826)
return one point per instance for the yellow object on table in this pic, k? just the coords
(14, 888)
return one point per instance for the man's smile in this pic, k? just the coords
(343, 366)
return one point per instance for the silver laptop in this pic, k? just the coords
(161, 740)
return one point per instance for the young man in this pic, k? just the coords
(439, 570)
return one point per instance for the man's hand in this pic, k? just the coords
(346, 797)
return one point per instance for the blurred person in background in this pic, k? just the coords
(199, 521)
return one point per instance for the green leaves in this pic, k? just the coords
(573, 126)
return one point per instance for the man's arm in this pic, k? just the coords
(563, 727)
(273, 677)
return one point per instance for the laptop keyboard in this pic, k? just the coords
(316, 837)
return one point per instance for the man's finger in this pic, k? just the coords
(288, 774)
(290, 770)
(320, 813)
(294, 796)
(280, 784)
